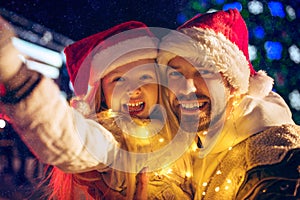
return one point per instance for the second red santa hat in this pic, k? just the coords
(218, 39)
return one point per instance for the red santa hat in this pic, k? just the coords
(218, 39)
(91, 58)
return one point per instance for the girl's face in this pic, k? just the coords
(132, 88)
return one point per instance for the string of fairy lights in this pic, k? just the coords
(273, 40)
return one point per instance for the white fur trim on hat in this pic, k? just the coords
(122, 53)
(206, 48)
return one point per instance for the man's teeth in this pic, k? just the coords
(191, 105)
(134, 104)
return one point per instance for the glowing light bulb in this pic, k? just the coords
(230, 148)
(203, 193)
(235, 103)
(204, 133)
(217, 189)
(194, 147)
(204, 184)
(161, 140)
(226, 187)
(2, 123)
(228, 180)
(169, 171)
(109, 113)
(188, 174)
(219, 172)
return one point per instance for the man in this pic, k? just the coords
(248, 144)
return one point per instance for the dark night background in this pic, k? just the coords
(78, 19)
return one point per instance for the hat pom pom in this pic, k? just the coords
(260, 84)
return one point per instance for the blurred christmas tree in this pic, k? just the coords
(274, 40)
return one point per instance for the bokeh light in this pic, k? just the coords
(294, 97)
(273, 50)
(2, 123)
(291, 12)
(259, 32)
(252, 52)
(255, 7)
(181, 18)
(276, 9)
(236, 5)
(294, 53)
(219, 2)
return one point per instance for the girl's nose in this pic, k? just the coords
(133, 91)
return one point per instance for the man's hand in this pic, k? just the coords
(10, 61)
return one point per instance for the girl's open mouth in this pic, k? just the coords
(135, 108)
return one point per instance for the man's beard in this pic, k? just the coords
(194, 123)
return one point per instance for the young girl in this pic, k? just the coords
(114, 77)
(125, 98)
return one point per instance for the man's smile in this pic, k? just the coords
(193, 107)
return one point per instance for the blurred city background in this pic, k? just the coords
(44, 28)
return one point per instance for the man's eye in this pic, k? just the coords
(207, 73)
(204, 72)
(175, 74)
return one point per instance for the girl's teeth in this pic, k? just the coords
(134, 104)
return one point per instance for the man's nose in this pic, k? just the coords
(188, 87)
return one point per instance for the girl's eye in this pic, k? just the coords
(119, 79)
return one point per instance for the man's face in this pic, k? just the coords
(196, 94)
